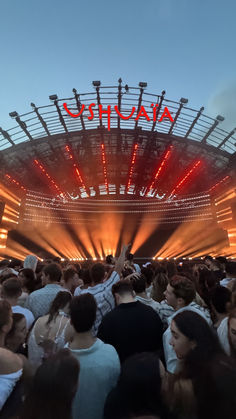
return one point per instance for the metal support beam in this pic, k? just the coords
(6, 136)
(227, 138)
(182, 103)
(40, 119)
(78, 103)
(194, 122)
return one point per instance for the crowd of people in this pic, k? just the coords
(118, 340)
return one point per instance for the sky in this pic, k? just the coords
(186, 47)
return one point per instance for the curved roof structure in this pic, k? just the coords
(48, 150)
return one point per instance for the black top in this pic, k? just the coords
(132, 328)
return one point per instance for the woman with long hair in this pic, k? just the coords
(53, 388)
(51, 332)
(205, 385)
(16, 337)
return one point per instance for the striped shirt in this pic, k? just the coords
(102, 293)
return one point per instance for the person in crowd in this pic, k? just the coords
(227, 331)
(70, 280)
(3, 265)
(221, 304)
(131, 327)
(204, 386)
(99, 362)
(52, 331)
(16, 337)
(40, 300)
(101, 287)
(230, 274)
(28, 284)
(11, 365)
(130, 263)
(171, 269)
(205, 285)
(140, 288)
(15, 265)
(139, 389)
(30, 262)
(214, 266)
(53, 388)
(180, 294)
(148, 272)
(160, 283)
(11, 291)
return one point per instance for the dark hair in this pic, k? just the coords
(138, 283)
(208, 257)
(109, 259)
(196, 328)
(83, 312)
(62, 298)
(54, 271)
(139, 388)
(130, 256)
(126, 272)
(86, 276)
(17, 317)
(149, 274)
(160, 283)
(230, 268)
(220, 296)
(14, 263)
(183, 288)
(68, 274)
(29, 281)
(5, 310)
(53, 388)
(11, 288)
(122, 287)
(206, 282)
(4, 263)
(98, 272)
(171, 269)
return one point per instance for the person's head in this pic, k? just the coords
(232, 332)
(130, 257)
(148, 272)
(140, 384)
(52, 273)
(138, 283)
(179, 292)
(83, 312)
(5, 317)
(98, 273)
(53, 388)
(11, 290)
(110, 260)
(60, 302)
(209, 261)
(123, 292)
(230, 269)
(160, 283)
(15, 264)
(171, 269)
(221, 299)
(70, 279)
(17, 335)
(4, 263)
(192, 338)
(222, 261)
(28, 280)
(30, 262)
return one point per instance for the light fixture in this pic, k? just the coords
(183, 100)
(53, 97)
(220, 118)
(96, 83)
(142, 84)
(13, 114)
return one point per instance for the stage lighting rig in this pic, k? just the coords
(96, 83)
(13, 114)
(53, 97)
(142, 84)
(183, 100)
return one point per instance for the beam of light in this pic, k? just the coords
(104, 164)
(8, 196)
(218, 183)
(76, 168)
(14, 182)
(160, 168)
(185, 178)
(131, 167)
(51, 181)
(229, 195)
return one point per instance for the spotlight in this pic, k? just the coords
(220, 118)
(163, 92)
(13, 114)
(142, 84)
(33, 105)
(183, 100)
(53, 97)
(126, 88)
(96, 83)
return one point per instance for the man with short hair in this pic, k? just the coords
(101, 288)
(131, 327)
(139, 286)
(230, 270)
(11, 291)
(99, 362)
(70, 280)
(39, 301)
(179, 294)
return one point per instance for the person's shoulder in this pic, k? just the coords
(108, 350)
(9, 362)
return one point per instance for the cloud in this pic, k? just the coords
(224, 103)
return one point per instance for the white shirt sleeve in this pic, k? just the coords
(170, 355)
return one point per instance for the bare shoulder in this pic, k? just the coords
(9, 362)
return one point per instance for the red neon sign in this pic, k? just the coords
(142, 113)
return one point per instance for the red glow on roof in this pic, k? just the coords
(183, 181)
(160, 167)
(132, 167)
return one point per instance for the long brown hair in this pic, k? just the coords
(62, 298)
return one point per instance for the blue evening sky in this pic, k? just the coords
(187, 47)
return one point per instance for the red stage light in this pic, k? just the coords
(12, 180)
(219, 183)
(132, 167)
(104, 166)
(160, 168)
(52, 182)
(76, 169)
(185, 178)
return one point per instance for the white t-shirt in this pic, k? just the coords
(27, 313)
